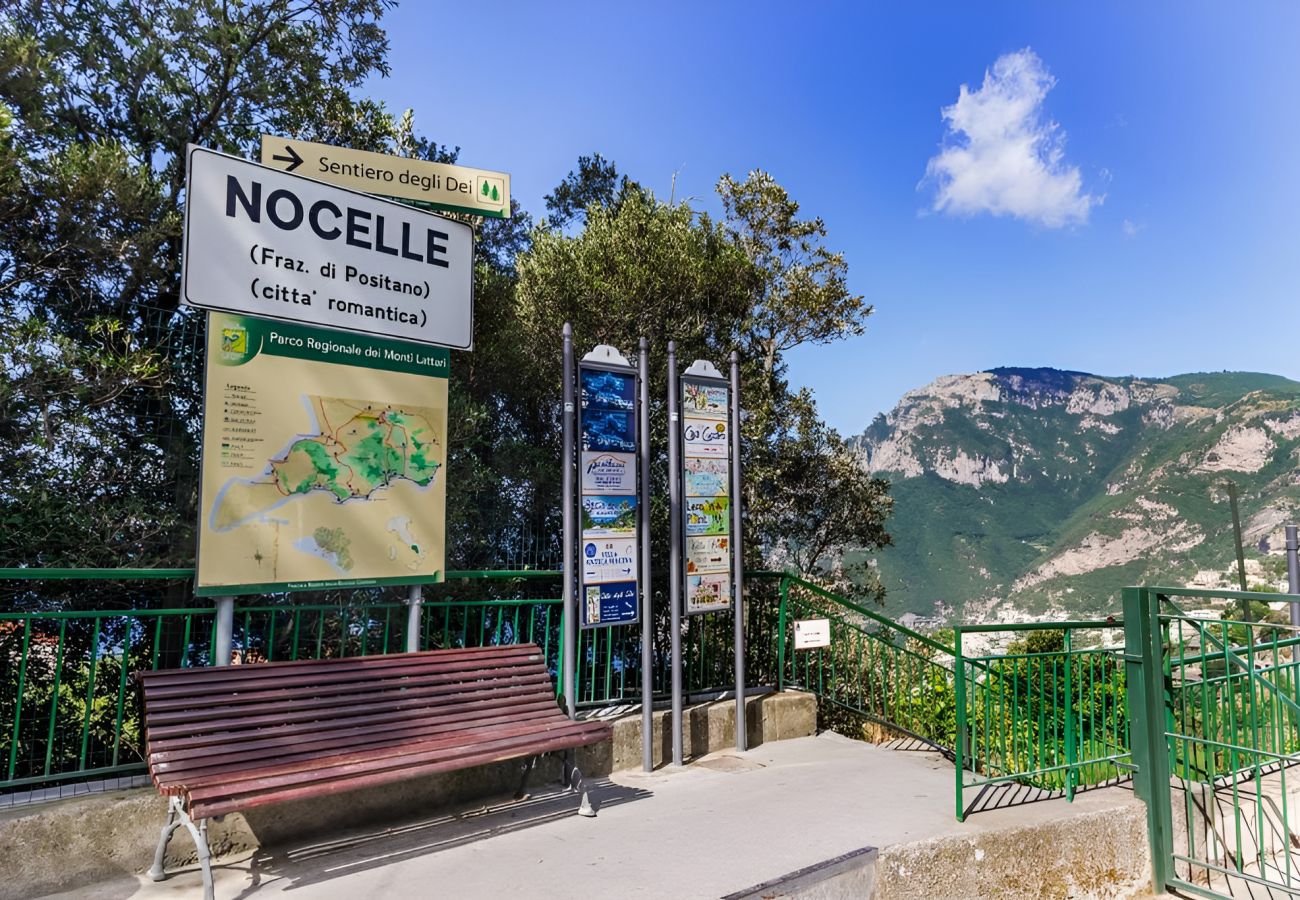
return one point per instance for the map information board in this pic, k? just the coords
(324, 459)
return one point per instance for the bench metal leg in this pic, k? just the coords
(173, 822)
(176, 817)
(574, 781)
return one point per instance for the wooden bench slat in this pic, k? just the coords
(429, 748)
(355, 775)
(195, 681)
(342, 730)
(246, 694)
(175, 765)
(383, 718)
(222, 706)
(250, 723)
(444, 656)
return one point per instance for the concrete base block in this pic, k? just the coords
(706, 728)
(1086, 857)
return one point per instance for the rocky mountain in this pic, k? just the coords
(1031, 491)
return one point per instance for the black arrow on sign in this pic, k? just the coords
(293, 159)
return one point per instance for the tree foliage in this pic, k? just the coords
(595, 182)
(800, 293)
(99, 415)
(101, 372)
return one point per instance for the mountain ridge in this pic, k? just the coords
(1033, 490)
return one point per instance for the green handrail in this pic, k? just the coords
(874, 616)
(75, 715)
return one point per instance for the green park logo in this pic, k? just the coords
(489, 191)
(234, 340)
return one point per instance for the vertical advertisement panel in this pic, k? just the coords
(607, 502)
(706, 481)
(324, 459)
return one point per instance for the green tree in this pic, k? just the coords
(641, 267)
(595, 181)
(101, 371)
(807, 493)
(800, 293)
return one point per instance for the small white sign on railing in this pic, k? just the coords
(810, 634)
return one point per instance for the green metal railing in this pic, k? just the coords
(1050, 715)
(69, 710)
(1053, 719)
(875, 667)
(1216, 732)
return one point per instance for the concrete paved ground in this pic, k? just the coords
(724, 823)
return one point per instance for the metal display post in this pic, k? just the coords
(225, 628)
(570, 630)
(1293, 571)
(675, 554)
(647, 638)
(414, 603)
(737, 554)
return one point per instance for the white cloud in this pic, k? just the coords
(1003, 155)
(1131, 228)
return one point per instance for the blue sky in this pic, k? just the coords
(1122, 200)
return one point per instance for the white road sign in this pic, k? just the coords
(479, 192)
(810, 634)
(266, 243)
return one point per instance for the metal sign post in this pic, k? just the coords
(570, 630)
(414, 604)
(647, 637)
(675, 555)
(225, 630)
(737, 554)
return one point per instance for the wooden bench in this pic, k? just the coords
(230, 738)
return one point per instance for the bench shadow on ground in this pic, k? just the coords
(362, 849)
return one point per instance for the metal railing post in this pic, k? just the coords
(1293, 571)
(780, 632)
(224, 630)
(959, 739)
(1071, 752)
(1144, 680)
(414, 607)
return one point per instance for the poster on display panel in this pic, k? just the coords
(609, 517)
(706, 481)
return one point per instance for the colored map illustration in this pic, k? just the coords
(360, 449)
